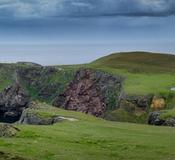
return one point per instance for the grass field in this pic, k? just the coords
(90, 138)
(144, 72)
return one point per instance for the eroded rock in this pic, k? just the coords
(31, 117)
(155, 119)
(142, 102)
(7, 130)
(91, 92)
(12, 102)
(36, 115)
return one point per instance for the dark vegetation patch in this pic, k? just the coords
(7, 156)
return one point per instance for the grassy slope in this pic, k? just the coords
(144, 72)
(6, 75)
(91, 139)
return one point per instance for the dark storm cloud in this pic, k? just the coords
(83, 8)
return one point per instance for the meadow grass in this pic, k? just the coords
(144, 73)
(142, 83)
(90, 138)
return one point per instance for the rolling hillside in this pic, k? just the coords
(89, 138)
(144, 73)
(144, 62)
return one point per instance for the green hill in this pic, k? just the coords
(144, 73)
(92, 138)
(139, 62)
(89, 138)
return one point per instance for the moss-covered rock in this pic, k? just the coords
(43, 83)
(164, 118)
(36, 114)
(122, 115)
(7, 130)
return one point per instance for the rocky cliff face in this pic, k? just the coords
(91, 92)
(12, 102)
(43, 82)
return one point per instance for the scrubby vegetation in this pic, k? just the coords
(165, 114)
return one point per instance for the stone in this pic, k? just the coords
(7, 130)
(158, 103)
(154, 119)
(32, 116)
(172, 89)
(170, 122)
(13, 100)
(91, 92)
(142, 102)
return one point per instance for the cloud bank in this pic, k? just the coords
(85, 8)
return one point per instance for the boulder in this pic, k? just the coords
(158, 103)
(13, 100)
(142, 102)
(155, 119)
(31, 117)
(91, 92)
(36, 115)
(7, 130)
(170, 122)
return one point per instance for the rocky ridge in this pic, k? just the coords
(88, 91)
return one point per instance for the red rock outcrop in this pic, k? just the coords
(91, 92)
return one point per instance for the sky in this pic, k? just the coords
(79, 31)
